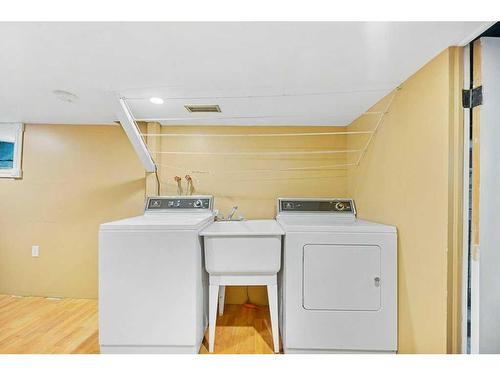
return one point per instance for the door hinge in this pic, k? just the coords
(472, 98)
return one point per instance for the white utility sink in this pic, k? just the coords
(244, 252)
(248, 247)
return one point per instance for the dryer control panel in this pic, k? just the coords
(191, 202)
(318, 205)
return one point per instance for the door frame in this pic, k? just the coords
(466, 202)
(471, 227)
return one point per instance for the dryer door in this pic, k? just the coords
(341, 277)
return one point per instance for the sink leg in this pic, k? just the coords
(272, 293)
(222, 296)
(213, 294)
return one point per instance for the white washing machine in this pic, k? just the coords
(338, 284)
(152, 281)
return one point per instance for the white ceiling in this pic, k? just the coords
(282, 73)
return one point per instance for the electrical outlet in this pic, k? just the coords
(35, 251)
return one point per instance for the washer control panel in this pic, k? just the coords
(179, 203)
(333, 205)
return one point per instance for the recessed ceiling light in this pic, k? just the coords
(65, 96)
(156, 100)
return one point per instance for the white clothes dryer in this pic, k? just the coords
(338, 284)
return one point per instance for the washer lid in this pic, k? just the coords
(329, 223)
(170, 221)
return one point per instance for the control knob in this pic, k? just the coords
(340, 206)
(198, 203)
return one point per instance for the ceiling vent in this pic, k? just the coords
(202, 108)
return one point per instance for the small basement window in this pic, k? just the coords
(11, 146)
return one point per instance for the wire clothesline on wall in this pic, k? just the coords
(259, 153)
(211, 173)
(288, 169)
(262, 177)
(379, 122)
(257, 134)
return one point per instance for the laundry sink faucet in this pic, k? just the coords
(230, 217)
(231, 214)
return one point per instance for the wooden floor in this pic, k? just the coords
(242, 330)
(38, 325)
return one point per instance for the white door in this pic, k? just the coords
(341, 277)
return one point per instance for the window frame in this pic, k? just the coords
(16, 170)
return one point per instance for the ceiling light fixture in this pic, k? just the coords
(65, 96)
(156, 100)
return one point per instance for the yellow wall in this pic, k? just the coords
(74, 178)
(404, 180)
(255, 193)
